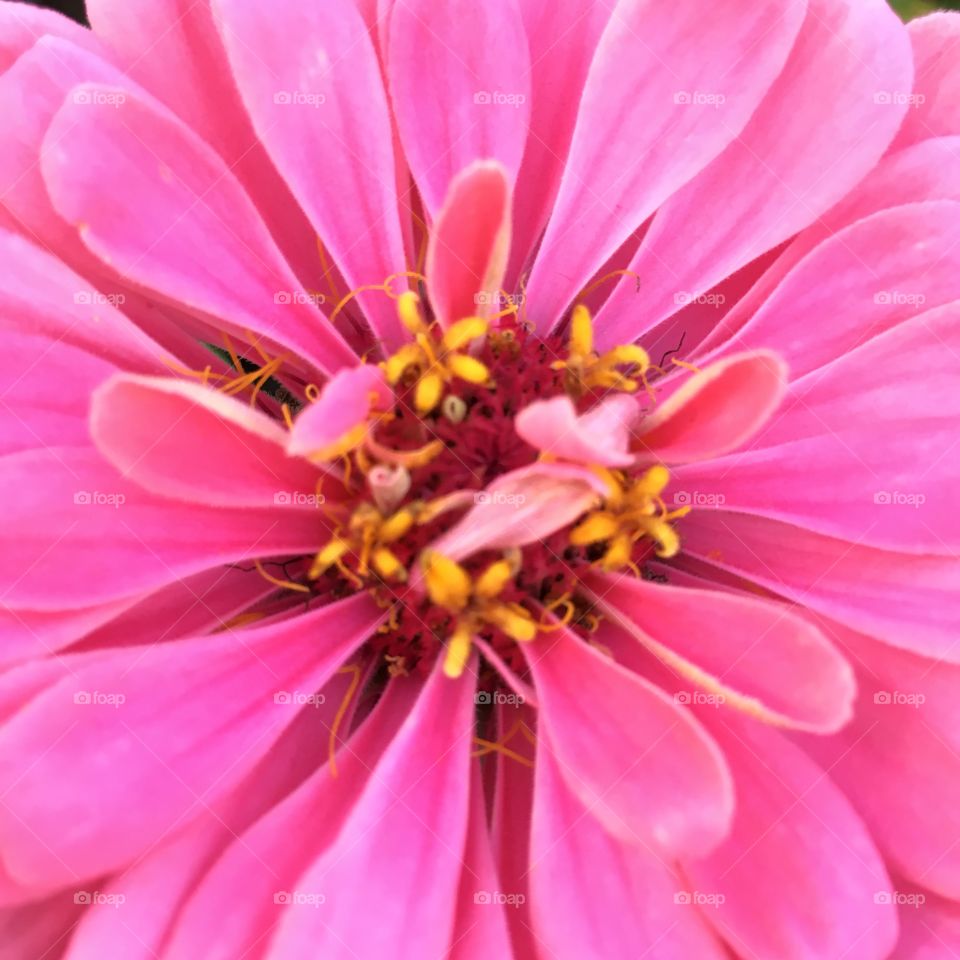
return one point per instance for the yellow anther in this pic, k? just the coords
(429, 362)
(475, 604)
(622, 368)
(366, 537)
(632, 510)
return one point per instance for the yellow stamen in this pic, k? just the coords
(618, 369)
(430, 362)
(633, 509)
(341, 713)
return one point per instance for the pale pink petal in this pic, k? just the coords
(884, 269)
(861, 449)
(197, 239)
(599, 436)
(642, 133)
(793, 831)
(522, 507)
(190, 442)
(751, 654)
(770, 182)
(311, 83)
(862, 587)
(453, 100)
(76, 522)
(935, 96)
(407, 831)
(717, 410)
(171, 48)
(345, 402)
(469, 243)
(640, 764)
(622, 900)
(196, 716)
(257, 878)
(563, 36)
(906, 723)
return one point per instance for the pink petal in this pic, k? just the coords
(454, 102)
(469, 243)
(754, 655)
(600, 436)
(629, 902)
(196, 716)
(45, 388)
(345, 402)
(156, 886)
(907, 722)
(522, 507)
(715, 411)
(190, 442)
(480, 929)
(884, 269)
(407, 831)
(929, 926)
(793, 161)
(860, 450)
(795, 840)
(639, 134)
(40, 929)
(311, 83)
(862, 587)
(563, 36)
(21, 25)
(103, 159)
(935, 94)
(639, 764)
(252, 885)
(99, 537)
(172, 49)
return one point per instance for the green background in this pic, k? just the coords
(908, 9)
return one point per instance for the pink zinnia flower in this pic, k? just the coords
(557, 560)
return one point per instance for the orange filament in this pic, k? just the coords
(341, 713)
